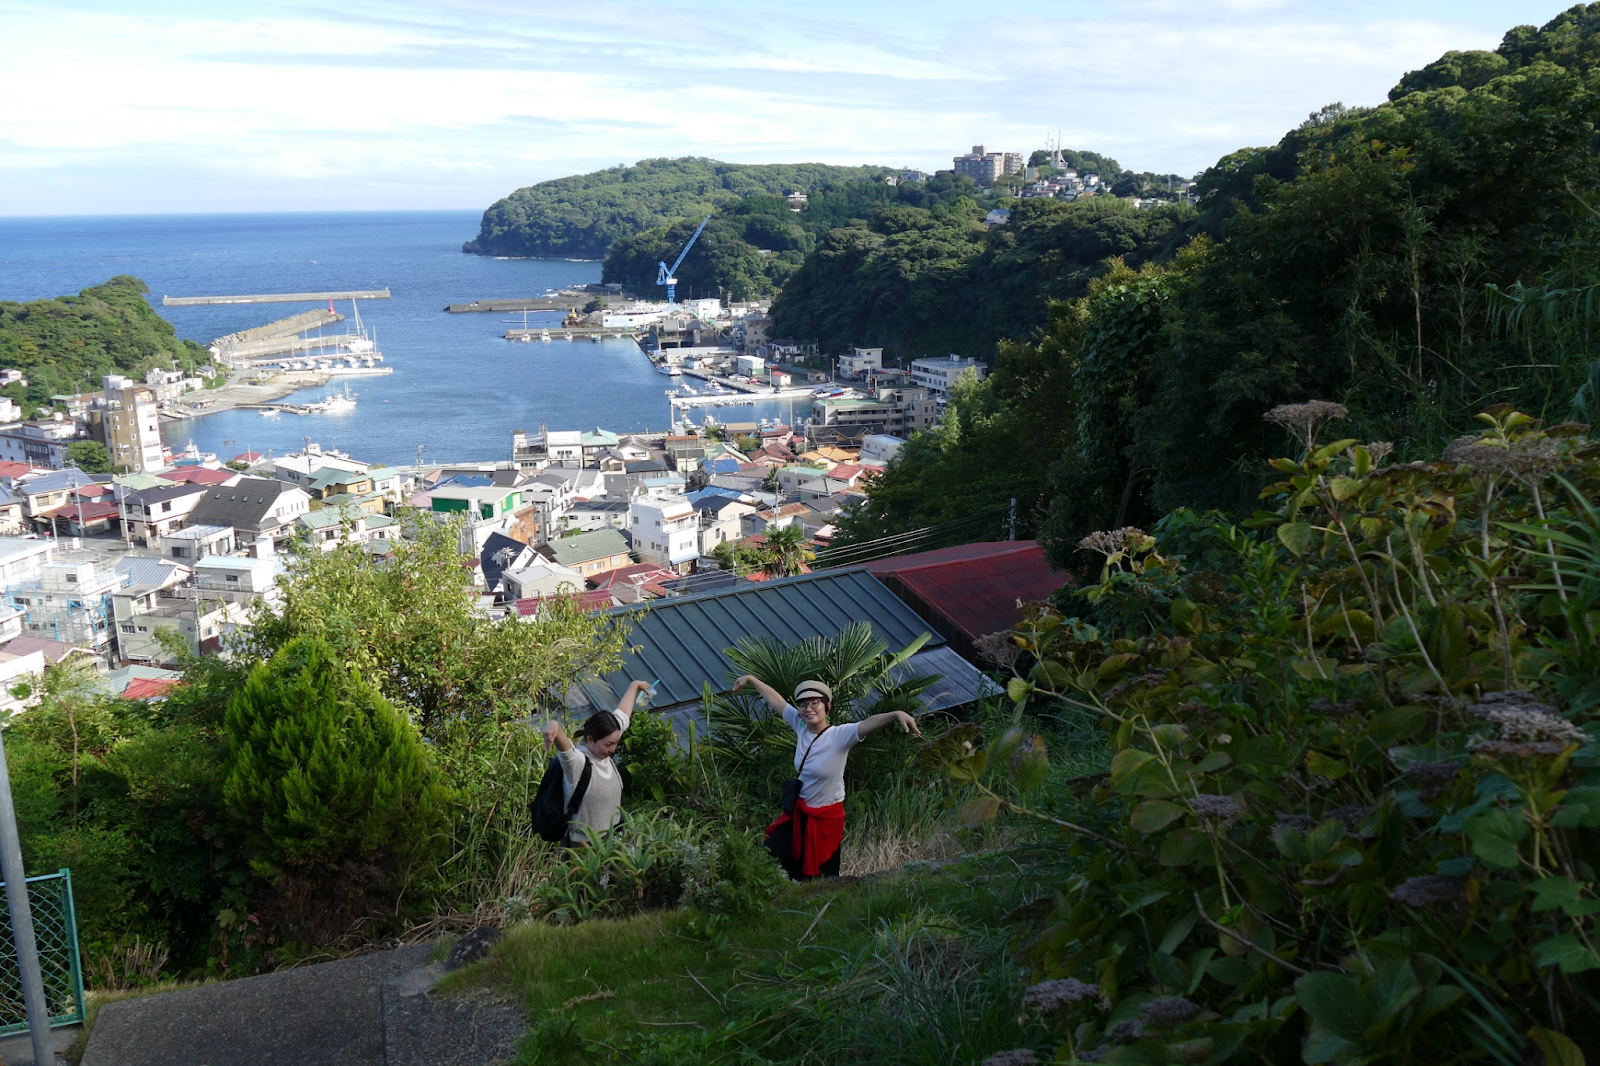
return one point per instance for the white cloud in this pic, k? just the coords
(445, 104)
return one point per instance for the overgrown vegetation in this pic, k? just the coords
(581, 217)
(1416, 261)
(66, 345)
(1353, 813)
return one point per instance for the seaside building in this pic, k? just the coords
(126, 421)
(666, 532)
(938, 375)
(900, 411)
(41, 443)
(860, 361)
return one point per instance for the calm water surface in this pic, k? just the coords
(458, 388)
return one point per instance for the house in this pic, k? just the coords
(487, 509)
(195, 542)
(666, 532)
(589, 515)
(597, 440)
(790, 478)
(938, 376)
(44, 492)
(41, 444)
(878, 449)
(146, 606)
(11, 508)
(246, 578)
(590, 553)
(333, 480)
(860, 362)
(388, 482)
(150, 513)
(538, 578)
(773, 518)
(720, 517)
(631, 584)
(66, 597)
(198, 475)
(684, 640)
(19, 668)
(261, 511)
(301, 470)
(973, 590)
(331, 526)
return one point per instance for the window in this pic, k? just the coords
(165, 507)
(143, 629)
(72, 579)
(126, 628)
(234, 578)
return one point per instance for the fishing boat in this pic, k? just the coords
(669, 370)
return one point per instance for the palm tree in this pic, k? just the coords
(787, 551)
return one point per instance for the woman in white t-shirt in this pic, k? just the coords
(601, 805)
(807, 840)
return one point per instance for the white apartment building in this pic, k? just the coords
(860, 361)
(665, 532)
(937, 375)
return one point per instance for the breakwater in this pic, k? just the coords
(275, 298)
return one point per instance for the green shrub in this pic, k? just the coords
(1352, 808)
(333, 789)
(731, 872)
(635, 866)
(651, 760)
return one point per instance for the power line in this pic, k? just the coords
(897, 543)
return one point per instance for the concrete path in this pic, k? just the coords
(373, 1010)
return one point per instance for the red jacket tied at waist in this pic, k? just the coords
(818, 832)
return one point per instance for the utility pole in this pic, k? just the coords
(22, 939)
(1011, 520)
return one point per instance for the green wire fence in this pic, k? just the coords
(55, 929)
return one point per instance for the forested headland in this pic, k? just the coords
(1417, 262)
(580, 217)
(67, 344)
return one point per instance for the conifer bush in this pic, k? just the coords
(333, 789)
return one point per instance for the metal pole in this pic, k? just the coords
(22, 922)
(1011, 521)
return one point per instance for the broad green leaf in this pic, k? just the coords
(1188, 617)
(1580, 809)
(1325, 765)
(1296, 536)
(1154, 815)
(1567, 952)
(978, 810)
(1181, 847)
(1017, 690)
(1552, 892)
(1113, 663)
(1558, 1050)
(1494, 836)
(1336, 1003)
(1177, 932)
(1213, 762)
(1343, 488)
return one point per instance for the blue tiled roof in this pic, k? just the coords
(68, 478)
(145, 572)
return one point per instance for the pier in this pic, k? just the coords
(568, 333)
(284, 327)
(275, 298)
(530, 303)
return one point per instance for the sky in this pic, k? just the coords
(171, 106)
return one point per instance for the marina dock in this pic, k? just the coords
(568, 333)
(530, 303)
(275, 298)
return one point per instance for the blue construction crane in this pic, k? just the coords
(668, 276)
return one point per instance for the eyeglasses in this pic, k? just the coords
(810, 700)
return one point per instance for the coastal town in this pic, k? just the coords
(135, 569)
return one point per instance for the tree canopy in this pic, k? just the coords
(582, 216)
(1417, 262)
(67, 344)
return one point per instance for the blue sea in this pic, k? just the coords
(458, 387)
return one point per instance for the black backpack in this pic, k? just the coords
(550, 815)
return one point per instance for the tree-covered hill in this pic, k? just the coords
(1416, 261)
(67, 344)
(580, 217)
(752, 245)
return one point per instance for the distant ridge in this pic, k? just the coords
(580, 217)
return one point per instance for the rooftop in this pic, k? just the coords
(587, 547)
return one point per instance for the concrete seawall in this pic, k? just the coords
(275, 298)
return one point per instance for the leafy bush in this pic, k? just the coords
(651, 761)
(332, 787)
(636, 865)
(1352, 810)
(731, 873)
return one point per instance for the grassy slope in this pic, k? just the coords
(837, 964)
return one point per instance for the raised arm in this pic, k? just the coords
(868, 726)
(554, 734)
(625, 705)
(768, 693)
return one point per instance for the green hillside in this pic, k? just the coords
(1417, 262)
(580, 217)
(67, 344)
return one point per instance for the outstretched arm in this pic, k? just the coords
(635, 690)
(867, 726)
(554, 734)
(768, 693)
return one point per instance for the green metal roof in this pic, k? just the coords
(683, 639)
(324, 517)
(587, 547)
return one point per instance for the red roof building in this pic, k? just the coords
(630, 584)
(199, 475)
(593, 600)
(150, 688)
(972, 590)
(10, 471)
